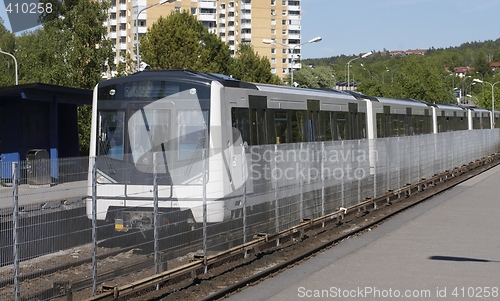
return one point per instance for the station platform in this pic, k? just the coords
(28, 195)
(447, 248)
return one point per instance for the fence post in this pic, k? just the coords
(94, 229)
(276, 185)
(15, 227)
(155, 217)
(301, 186)
(244, 200)
(204, 172)
(323, 154)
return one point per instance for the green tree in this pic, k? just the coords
(317, 77)
(249, 66)
(180, 41)
(7, 65)
(481, 63)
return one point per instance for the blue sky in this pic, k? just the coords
(354, 26)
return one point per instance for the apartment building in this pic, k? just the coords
(272, 27)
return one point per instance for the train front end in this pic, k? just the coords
(153, 141)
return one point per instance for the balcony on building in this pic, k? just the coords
(207, 17)
(207, 4)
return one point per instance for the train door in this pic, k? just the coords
(258, 122)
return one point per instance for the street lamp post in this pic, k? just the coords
(292, 49)
(138, 57)
(349, 65)
(15, 62)
(492, 99)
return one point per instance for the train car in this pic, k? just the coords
(479, 118)
(447, 117)
(187, 132)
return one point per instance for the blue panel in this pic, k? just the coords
(7, 160)
(54, 163)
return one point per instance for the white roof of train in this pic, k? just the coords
(303, 91)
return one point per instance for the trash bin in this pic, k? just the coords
(38, 167)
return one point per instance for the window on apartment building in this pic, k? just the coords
(283, 61)
(112, 28)
(273, 50)
(283, 70)
(230, 14)
(231, 4)
(123, 13)
(123, 1)
(283, 12)
(230, 23)
(283, 2)
(283, 41)
(273, 21)
(283, 31)
(231, 33)
(273, 60)
(273, 12)
(193, 10)
(123, 26)
(273, 2)
(177, 9)
(142, 23)
(113, 3)
(113, 42)
(222, 6)
(123, 40)
(283, 22)
(273, 70)
(284, 51)
(273, 31)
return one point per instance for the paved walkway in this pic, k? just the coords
(447, 248)
(33, 195)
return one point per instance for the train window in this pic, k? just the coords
(149, 130)
(281, 126)
(341, 126)
(239, 119)
(258, 133)
(327, 122)
(381, 127)
(111, 134)
(362, 125)
(191, 133)
(297, 126)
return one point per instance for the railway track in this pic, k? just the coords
(252, 262)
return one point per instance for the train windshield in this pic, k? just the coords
(139, 137)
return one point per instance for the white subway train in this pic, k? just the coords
(175, 124)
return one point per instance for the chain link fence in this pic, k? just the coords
(221, 199)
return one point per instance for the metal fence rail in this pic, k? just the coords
(274, 187)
